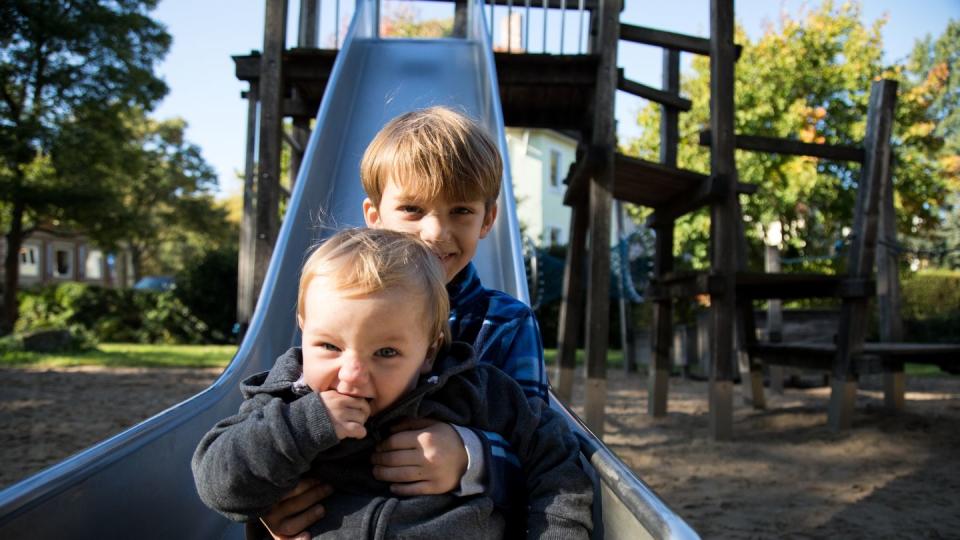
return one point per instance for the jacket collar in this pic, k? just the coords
(464, 287)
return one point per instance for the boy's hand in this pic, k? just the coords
(348, 414)
(290, 518)
(422, 457)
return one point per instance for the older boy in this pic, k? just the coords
(436, 174)
(373, 313)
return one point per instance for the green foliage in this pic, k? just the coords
(931, 306)
(60, 63)
(808, 78)
(111, 314)
(209, 289)
(161, 206)
(403, 21)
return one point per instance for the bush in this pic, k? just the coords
(110, 314)
(209, 290)
(931, 306)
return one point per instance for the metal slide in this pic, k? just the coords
(138, 483)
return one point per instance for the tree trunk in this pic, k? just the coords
(11, 266)
(136, 256)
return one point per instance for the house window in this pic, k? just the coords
(29, 261)
(554, 236)
(555, 170)
(94, 265)
(62, 264)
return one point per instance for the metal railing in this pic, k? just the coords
(553, 32)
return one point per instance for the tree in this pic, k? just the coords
(60, 61)
(162, 209)
(807, 78)
(933, 68)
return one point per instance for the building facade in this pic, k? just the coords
(49, 255)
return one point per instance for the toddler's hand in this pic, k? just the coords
(348, 414)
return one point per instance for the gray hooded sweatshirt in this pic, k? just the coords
(283, 431)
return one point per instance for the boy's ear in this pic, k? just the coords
(300, 322)
(489, 217)
(371, 215)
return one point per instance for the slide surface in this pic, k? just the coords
(139, 482)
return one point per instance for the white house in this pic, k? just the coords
(539, 159)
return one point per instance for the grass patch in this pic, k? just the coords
(128, 355)
(925, 370)
(614, 357)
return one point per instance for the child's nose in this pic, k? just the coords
(353, 371)
(432, 229)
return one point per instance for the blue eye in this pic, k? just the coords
(329, 347)
(462, 210)
(387, 352)
(410, 209)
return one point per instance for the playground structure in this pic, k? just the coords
(139, 482)
(602, 174)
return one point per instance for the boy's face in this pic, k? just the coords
(364, 345)
(451, 229)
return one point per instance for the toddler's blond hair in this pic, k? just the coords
(365, 261)
(435, 153)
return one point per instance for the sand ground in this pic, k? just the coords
(785, 475)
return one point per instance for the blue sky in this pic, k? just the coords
(206, 33)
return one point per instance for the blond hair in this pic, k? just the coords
(366, 261)
(435, 153)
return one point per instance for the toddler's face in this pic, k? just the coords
(452, 230)
(371, 346)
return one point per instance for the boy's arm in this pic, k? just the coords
(519, 355)
(249, 461)
(558, 492)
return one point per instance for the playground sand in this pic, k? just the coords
(784, 476)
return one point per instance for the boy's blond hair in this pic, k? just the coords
(366, 261)
(435, 153)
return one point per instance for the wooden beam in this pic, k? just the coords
(571, 306)
(724, 216)
(792, 147)
(888, 295)
(658, 377)
(669, 40)
(271, 118)
(652, 94)
(601, 196)
(853, 315)
(246, 290)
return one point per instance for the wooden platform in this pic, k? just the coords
(875, 356)
(536, 90)
(760, 286)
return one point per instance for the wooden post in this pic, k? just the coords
(723, 216)
(460, 18)
(658, 375)
(752, 375)
(627, 336)
(601, 196)
(307, 37)
(571, 306)
(853, 315)
(888, 295)
(246, 291)
(271, 131)
(774, 316)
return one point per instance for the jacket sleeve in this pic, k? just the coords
(248, 461)
(520, 356)
(559, 493)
